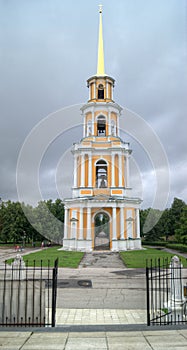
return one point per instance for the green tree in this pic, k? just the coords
(48, 219)
(176, 211)
(181, 231)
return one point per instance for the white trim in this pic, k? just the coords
(120, 170)
(81, 223)
(114, 233)
(66, 223)
(89, 224)
(83, 170)
(100, 211)
(95, 164)
(89, 170)
(113, 171)
(122, 223)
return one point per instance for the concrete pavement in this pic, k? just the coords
(121, 340)
(109, 315)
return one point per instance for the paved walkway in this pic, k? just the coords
(102, 259)
(100, 317)
(140, 340)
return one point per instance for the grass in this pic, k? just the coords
(137, 258)
(65, 259)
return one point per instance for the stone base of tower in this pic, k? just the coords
(87, 245)
(77, 244)
(126, 244)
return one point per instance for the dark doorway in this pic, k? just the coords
(102, 232)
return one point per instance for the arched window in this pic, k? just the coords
(100, 92)
(101, 174)
(101, 126)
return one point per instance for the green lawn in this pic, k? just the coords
(65, 259)
(137, 258)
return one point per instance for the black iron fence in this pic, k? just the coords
(28, 294)
(166, 292)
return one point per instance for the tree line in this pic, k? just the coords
(23, 223)
(20, 222)
(171, 225)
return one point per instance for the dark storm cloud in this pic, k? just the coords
(49, 48)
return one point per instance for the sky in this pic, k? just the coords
(48, 50)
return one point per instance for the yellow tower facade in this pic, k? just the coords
(101, 213)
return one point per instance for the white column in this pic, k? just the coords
(114, 233)
(92, 122)
(113, 170)
(137, 223)
(66, 223)
(120, 172)
(127, 170)
(84, 125)
(89, 223)
(81, 224)
(121, 223)
(89, 170)
(95, 90)
(82, 171)
(75, 170)
(117, 124)
(109, 123)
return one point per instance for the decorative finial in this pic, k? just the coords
(100, 8)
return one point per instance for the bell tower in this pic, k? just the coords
(101, 212)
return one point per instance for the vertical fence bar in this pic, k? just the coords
(40, 293)
(48, 286)
(26, 291)
(11, 293)
(4, 293)
(54, 291)
(148, 302)
(33, 291)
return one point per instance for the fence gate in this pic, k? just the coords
(28, 294)
(166, 292)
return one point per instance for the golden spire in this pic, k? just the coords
(100, 61)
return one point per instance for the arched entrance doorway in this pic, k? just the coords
(102, 231)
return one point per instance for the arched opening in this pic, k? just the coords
(101, 126)
(101, 174)
(100, 92)
(102, 231)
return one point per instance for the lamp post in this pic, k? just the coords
(24, 237)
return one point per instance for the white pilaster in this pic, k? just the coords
(66, 223)
(94, 89)
(109, 122)
(106, 89)
(127, 170)
(89, 223)
(82, 171)
(117, 124)
(114, 233)
(75, 170)
(137, 223)
(113, 170)
(84, 125)
(81, 224)
(92, 122)
(122, 223)
(89, 170)
(120, 173)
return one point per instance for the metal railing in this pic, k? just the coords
(166, 283)
(28, 294)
